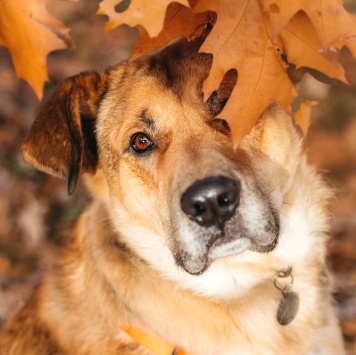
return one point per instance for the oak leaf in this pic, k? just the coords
(30, 33)
(240, 40)
(321, 28)
(259, 44)
(301, 45)
(335, 27)
(149, 14)
(180, 21)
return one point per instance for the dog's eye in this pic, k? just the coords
(141, 143)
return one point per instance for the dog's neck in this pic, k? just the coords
(288, 308)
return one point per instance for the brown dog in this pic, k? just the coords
(213, 249)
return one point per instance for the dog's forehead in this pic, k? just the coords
(164, 88)
(160, 111)
(178, 66)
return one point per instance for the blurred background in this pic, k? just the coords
(37, 215)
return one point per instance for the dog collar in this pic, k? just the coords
(156, 345)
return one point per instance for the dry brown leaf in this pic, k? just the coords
(149, 14)
(334, 26)
(240, 40)
(30, 33)
(179, 21)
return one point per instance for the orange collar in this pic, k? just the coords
(153, 343)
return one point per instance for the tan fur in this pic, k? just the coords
(133, 249)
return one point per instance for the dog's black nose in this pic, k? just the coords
(211, 201)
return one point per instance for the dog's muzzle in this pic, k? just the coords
(226, 219)
(211, 201)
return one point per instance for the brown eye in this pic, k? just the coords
(141, 143)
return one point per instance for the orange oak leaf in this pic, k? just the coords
(30, 33)
(149, 14)
(302, 46)
(335, 27)
(180, 21)
(315, 29)
(240, 40)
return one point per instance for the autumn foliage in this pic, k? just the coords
(267, 41)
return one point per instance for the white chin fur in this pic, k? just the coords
(234, 247)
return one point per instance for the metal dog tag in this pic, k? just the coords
(288, 307)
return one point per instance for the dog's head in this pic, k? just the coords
(178, 191)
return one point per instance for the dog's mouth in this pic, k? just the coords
(223, 221)
(198, 263)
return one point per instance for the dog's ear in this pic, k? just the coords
(62, 139)
(274, 147)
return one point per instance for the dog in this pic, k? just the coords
(192, 242)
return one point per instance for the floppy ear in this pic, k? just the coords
(274, 147)
(62, 139)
